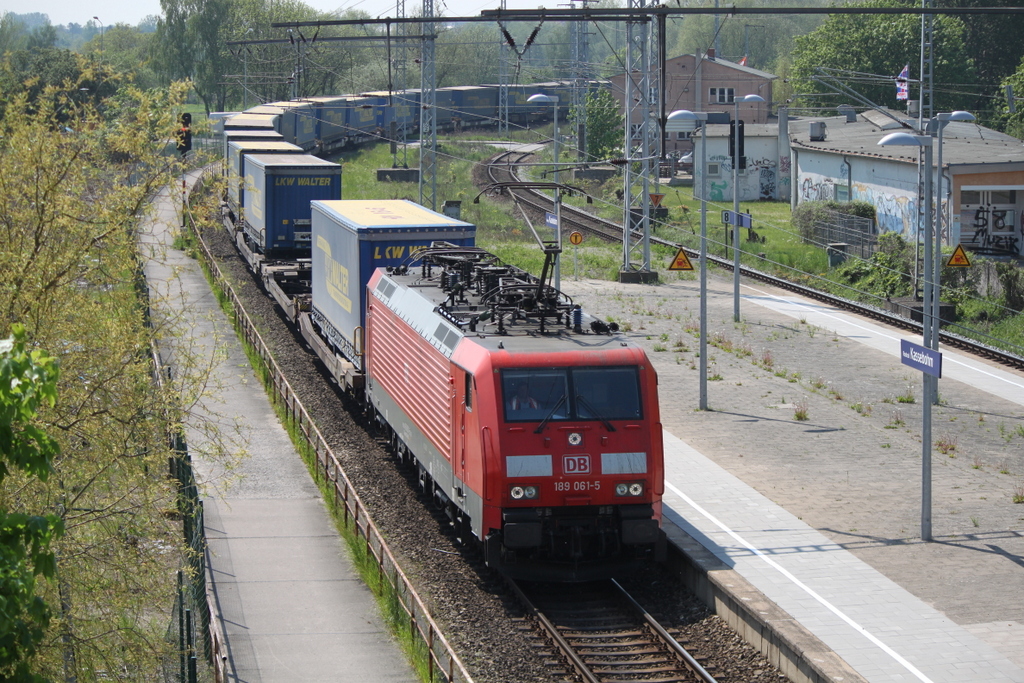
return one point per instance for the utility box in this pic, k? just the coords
(279, 189)
(817, 131)
(351, 239)
(837, 253)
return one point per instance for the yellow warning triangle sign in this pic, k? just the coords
(656, 198)
(681, 262)
(959, 258)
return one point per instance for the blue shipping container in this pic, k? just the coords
(279, 190)
(353, 238)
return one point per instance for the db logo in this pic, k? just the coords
(576, 464)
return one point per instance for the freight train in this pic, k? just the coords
(533, 425)
(322, 125)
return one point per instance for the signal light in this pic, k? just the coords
(183, 136)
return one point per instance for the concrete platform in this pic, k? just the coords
(813, 523)
(286, 595)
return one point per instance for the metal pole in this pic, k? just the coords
(937, 257)
(558, 210)
(736, 213)
(703, 267)
(926, 408)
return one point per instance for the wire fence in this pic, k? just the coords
(843, 234)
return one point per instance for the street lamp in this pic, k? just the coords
(941, 120)
(736, 203)
(927, 324)
(686, 121)
(101, 32)
(541, 98)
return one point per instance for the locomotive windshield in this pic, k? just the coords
(575, 393)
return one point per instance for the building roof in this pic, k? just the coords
(963, 143)
(745, 69)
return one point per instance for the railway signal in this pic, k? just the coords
(184, 134)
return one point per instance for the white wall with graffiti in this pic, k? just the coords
(760, 181)
(890, 186)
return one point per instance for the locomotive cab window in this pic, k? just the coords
(574, 393)
(469, 391)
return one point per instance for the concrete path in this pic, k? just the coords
(287, 598)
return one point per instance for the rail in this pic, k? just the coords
(600, 634)
(612, 232)
(344, 497)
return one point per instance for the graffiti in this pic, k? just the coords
(988, 221)
(785, 164)
(767, 184)
(717, 191)
(816, 191)
(893, 213)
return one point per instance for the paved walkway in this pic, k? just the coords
(287, 599)
(822, 515)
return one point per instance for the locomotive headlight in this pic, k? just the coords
(633, 488)
(527, 492)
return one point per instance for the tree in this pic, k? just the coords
(28, 381)
(877, 47)
(74, 181)
(995, 43)
(1011, 121)
(604, 122)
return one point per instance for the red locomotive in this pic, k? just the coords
(535, 427)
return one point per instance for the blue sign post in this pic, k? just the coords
(929, 362)
(921, 358)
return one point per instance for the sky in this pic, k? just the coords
(133, 11)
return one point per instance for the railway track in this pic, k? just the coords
(605, 636)
(502, 169)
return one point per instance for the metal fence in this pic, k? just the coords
(842, 233)
(445, 664)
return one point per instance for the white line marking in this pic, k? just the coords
(800, 584)
(876, 331)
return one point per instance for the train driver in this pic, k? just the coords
(522, 400)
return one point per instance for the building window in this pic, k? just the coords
(714, 169)
(842, 193)
(721, 95)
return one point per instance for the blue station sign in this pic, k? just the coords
(921, 358)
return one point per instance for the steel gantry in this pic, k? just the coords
(581, 72)
(640, 148)
(428, 112)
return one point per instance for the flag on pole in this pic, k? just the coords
(903, 84)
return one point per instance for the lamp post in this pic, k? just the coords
(101, 32)
(928, 323)
(736, 203)
(686, 121)
(553, 100)
(941, 120)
